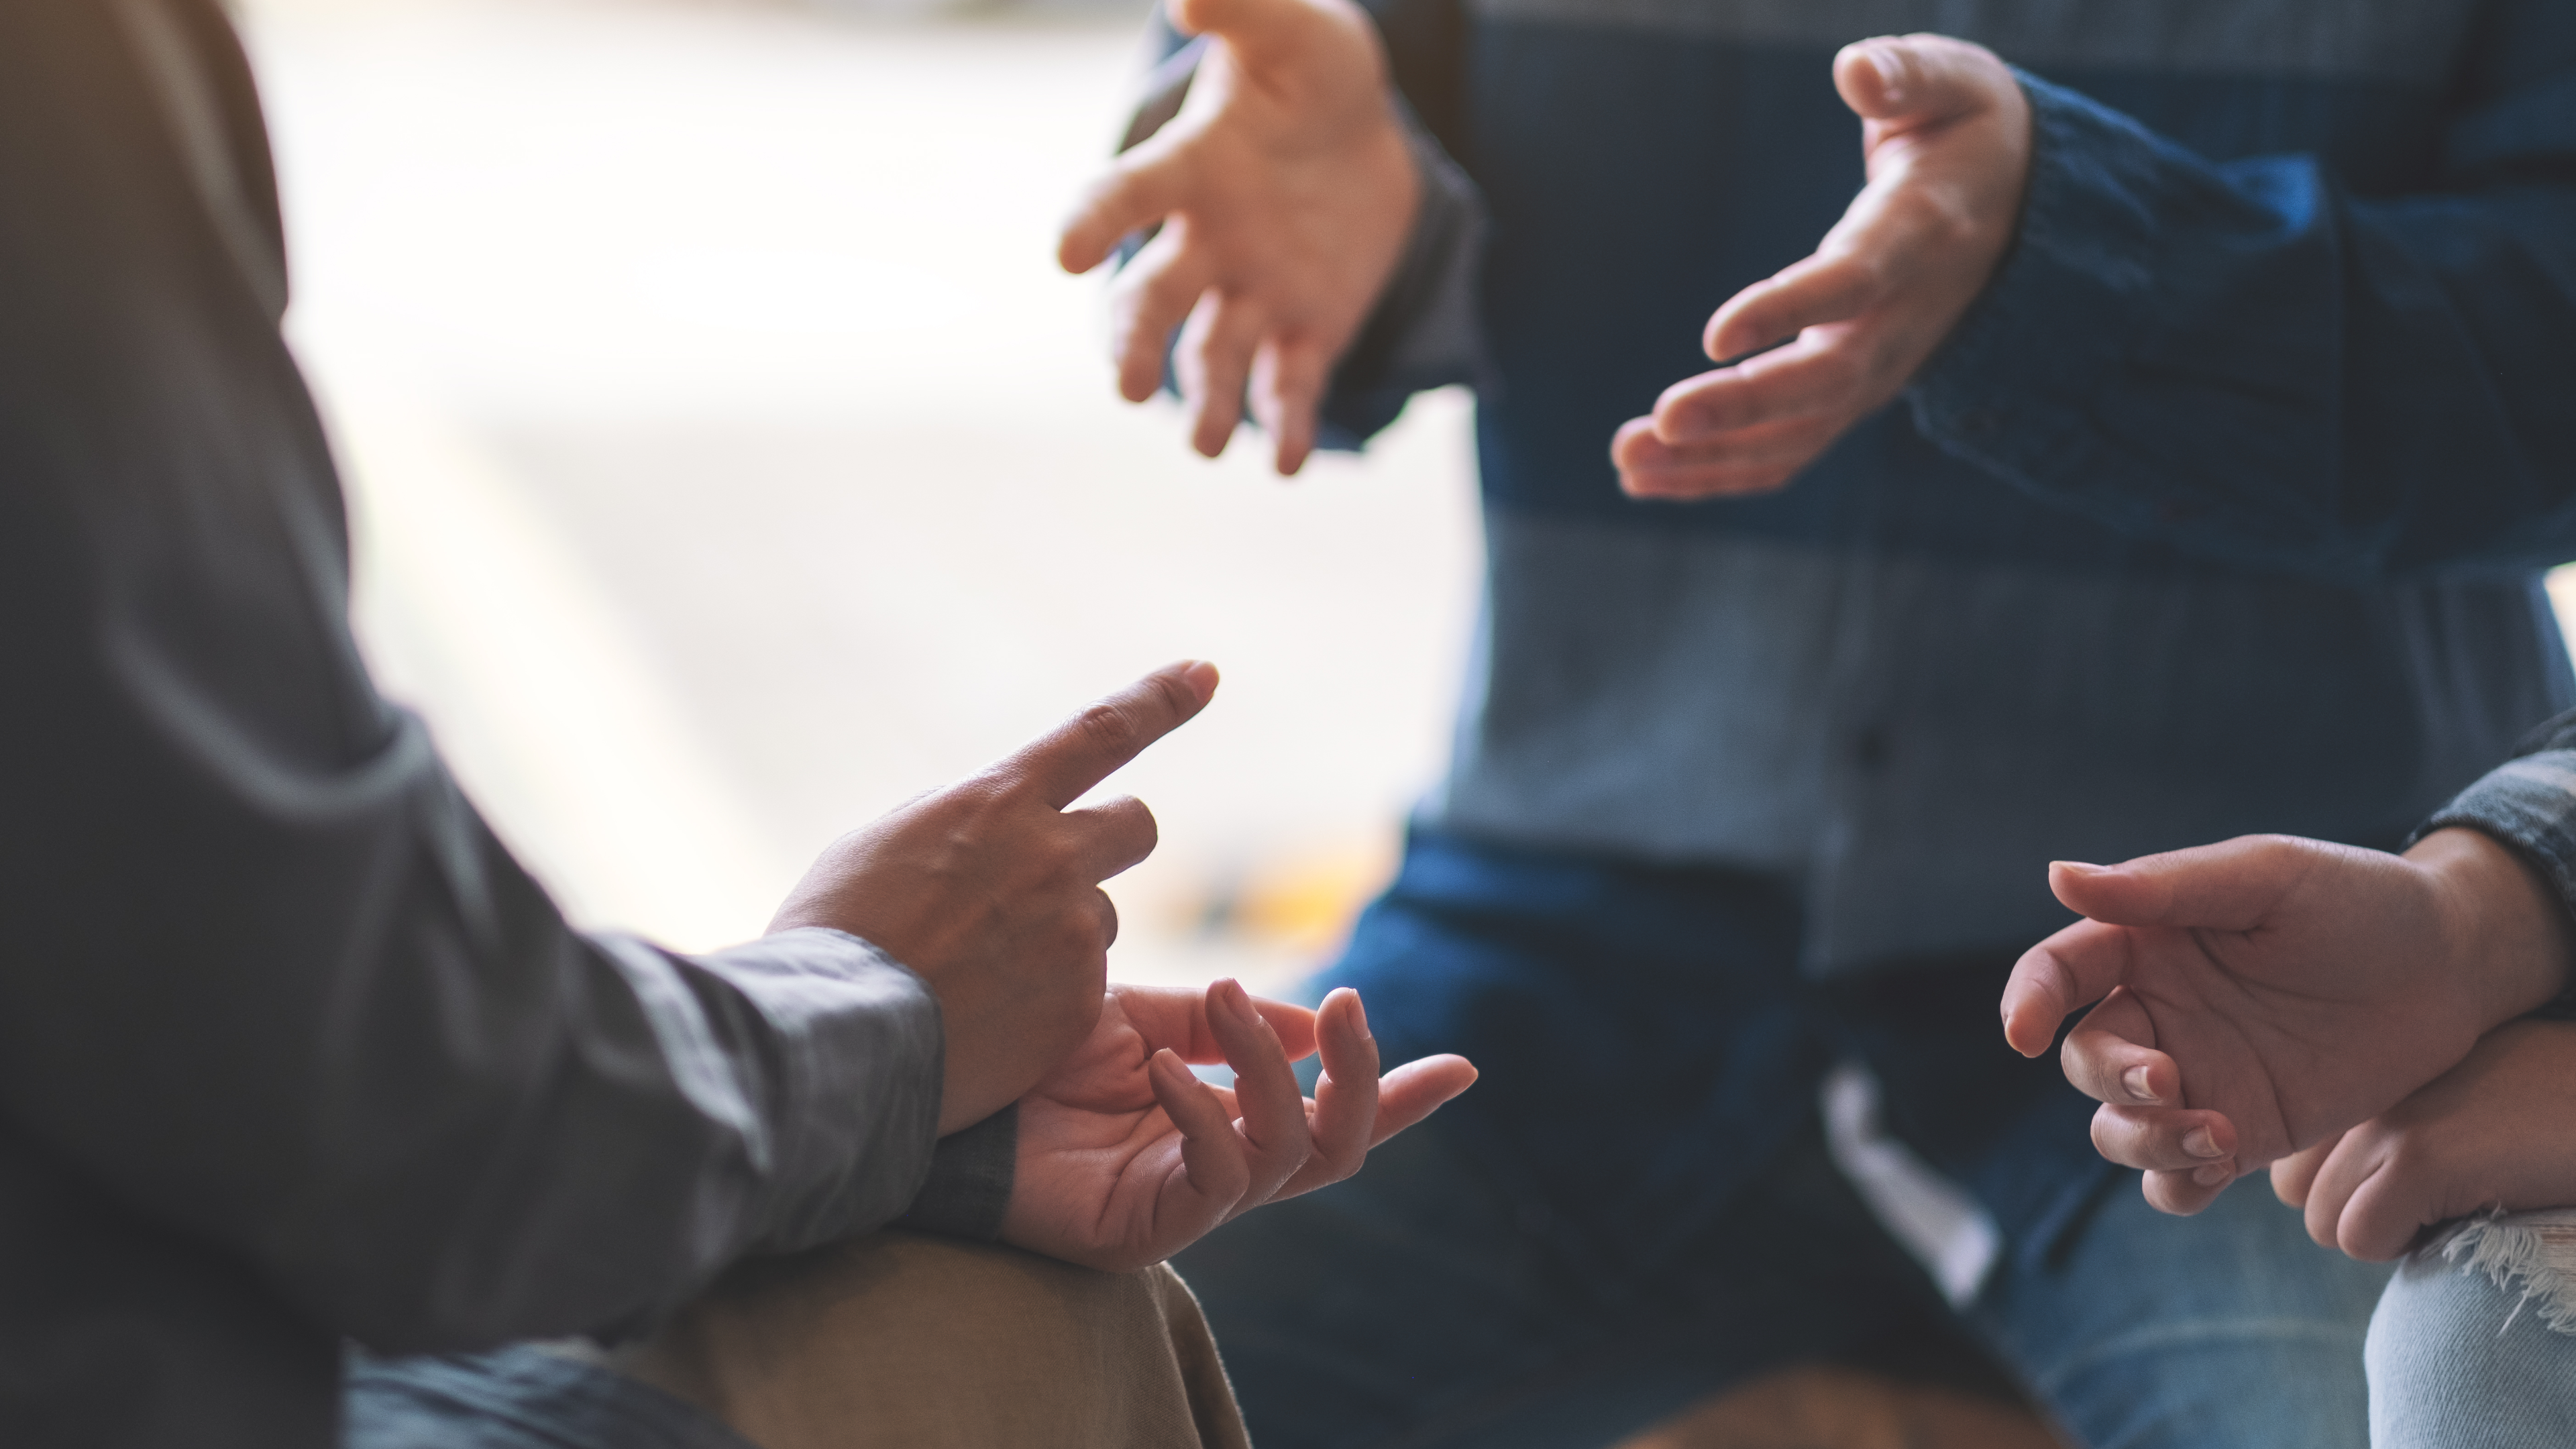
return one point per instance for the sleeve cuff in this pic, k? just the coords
(2085, 248)
(2063, 377)
(862, 1053)
(2529, 805)
(969, 1187)
(1427, 329)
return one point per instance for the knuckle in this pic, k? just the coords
(1140, 818)
(1106, 725)
(1087, 934)
(1176, 702)
(1869, 273)
(1843, 371)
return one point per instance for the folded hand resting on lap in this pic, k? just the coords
(2257, 996)
(2488, 1135)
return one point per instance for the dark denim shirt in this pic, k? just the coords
(2222, 510)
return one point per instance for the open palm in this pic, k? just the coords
(1125, 1157)
(1283, 191)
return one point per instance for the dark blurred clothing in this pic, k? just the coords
(290, 1049)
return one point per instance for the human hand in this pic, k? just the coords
(2492, 1133)
(990, 890)
(1946, 131)
(1125, 1158)
(2260, 994)
(1284, 189)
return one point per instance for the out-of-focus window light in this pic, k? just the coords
(729, 461)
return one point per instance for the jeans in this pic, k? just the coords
(2458, 1360)
(514, 1398)
(1634, 1208)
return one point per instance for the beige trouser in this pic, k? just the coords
(903, 1339)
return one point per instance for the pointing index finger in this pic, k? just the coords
(1107, 733)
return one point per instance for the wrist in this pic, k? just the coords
(2506, 933)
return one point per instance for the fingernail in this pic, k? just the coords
(1891, 66)
(2212, 1175)
(2135, 1080)
(1239, 1001)
(1359, 1016)
(1202, 678)
(2199, 1143)
(2079, 867)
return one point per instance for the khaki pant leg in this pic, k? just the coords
(904, 1339)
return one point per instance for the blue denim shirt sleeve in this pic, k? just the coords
(2529, 803)
(2247, 360)
(1426, 330)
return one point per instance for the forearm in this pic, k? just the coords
(364, 1053)
(2508, 848)
(2247, 361)
(2510, 927)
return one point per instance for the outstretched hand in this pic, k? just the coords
(1284, 190)
(1125, 1157)
(1946, 130)
(2261, 994)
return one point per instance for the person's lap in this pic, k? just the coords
(1599, 1233)
(896, 1338)
(1625, 1217)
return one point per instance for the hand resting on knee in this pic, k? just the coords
(2259, 997)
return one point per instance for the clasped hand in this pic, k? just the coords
(2254, 998)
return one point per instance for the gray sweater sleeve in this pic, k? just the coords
(2529, 804)
(273, 987)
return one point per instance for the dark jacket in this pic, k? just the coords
(290, 1049)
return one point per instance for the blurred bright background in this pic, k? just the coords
(730, 462)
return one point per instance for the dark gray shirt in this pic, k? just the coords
(291, 1050)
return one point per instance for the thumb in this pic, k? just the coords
(1915, 80)
(2230, 886)
(1251, 27)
